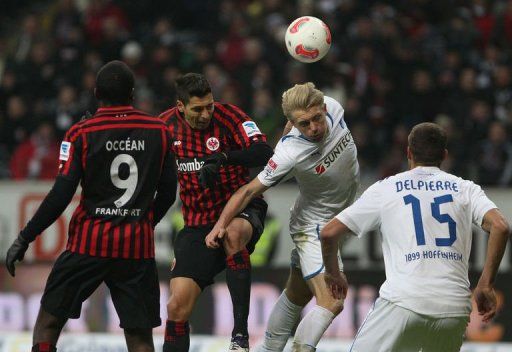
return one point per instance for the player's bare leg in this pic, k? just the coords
(184, 293)
(238, 279)
(286, 312)
(46, 331)
(139, 340)
(313, 325)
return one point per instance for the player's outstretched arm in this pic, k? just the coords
(329, 237)
(255, 156)
(234, 206)
(50, 209)
(499, 231)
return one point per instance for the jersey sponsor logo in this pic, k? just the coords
(250, 128)
(272, 164)
(176, 143)
(213, 144)
(320, 169)
(270, 168)
(333, 154)
(64, 151)
(189, 165)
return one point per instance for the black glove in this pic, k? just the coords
(16, 252)
(209, 173)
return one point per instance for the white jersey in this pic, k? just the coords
(425, 216)
(326, 172)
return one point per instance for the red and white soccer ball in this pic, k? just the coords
(308, 39)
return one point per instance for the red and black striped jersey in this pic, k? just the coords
(230, 129)
(118, 155)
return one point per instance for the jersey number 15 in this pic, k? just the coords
(436, 214)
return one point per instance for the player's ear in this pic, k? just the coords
(409, 153)
(445, 154)
(96, 93)
(132, 94)
(325, 107)
(180, 105)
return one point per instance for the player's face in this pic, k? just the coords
(198, 112)
(312, 123)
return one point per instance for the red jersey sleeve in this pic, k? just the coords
(71, 154)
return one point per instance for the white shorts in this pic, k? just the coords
(307, 254)
(391, 328)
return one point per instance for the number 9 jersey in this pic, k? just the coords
(118, 154)
(425, 216)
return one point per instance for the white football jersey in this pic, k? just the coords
(327, 172)
(425, 216)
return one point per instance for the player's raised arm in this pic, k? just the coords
(499, 231)
(234, 206)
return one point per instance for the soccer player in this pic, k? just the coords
(425, 217)
(320, 153)
(215, 145)
(121, 156)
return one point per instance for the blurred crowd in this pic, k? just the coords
(392, 64)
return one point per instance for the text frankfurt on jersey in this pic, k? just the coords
(117, 212)
(333, 154)
(125, 145)
(433, 254)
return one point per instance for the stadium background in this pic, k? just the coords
(392, 65)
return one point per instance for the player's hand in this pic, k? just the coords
(485, 299)
(214, 238)
(337, 283)
(16, 252)
(209, 173)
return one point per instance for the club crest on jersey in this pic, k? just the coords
(250, 128)
(212, 144)
(64, 151)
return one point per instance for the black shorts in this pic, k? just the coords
(194, 260)
(133, 285)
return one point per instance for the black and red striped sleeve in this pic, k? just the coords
(72, 154)
(244, 130)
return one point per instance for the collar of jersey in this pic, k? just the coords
(427, 168)
(115, 108)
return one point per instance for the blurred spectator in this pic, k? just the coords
(104, 18)
(422, 103)
(67, 110)
(495, 157)
(267, 114)
(29, 34)
(16, 127)
(37, 157)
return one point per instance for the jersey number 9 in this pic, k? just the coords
(130, 183)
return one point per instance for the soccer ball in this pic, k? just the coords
(308, 39)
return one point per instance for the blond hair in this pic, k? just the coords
(301, 97)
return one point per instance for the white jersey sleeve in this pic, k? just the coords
(480, 204)
(364, 215)
(279, 167)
